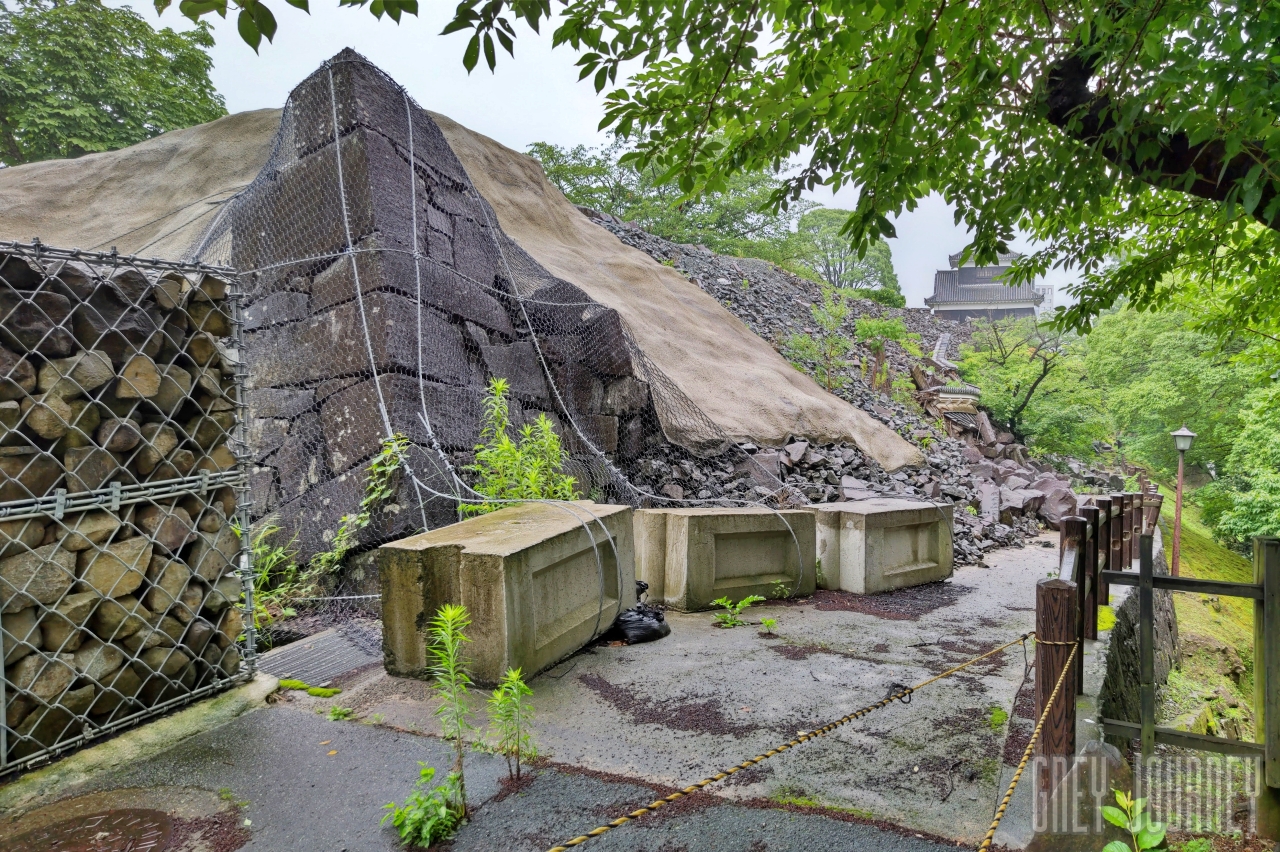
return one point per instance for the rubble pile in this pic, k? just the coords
(1002, 494)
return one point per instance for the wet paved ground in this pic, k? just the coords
(622, 725)
(275, 765)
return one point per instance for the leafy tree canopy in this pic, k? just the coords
(1139, 129)
(737, 220)
(77, 77)
(829, 254)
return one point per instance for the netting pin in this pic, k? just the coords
(59, 503)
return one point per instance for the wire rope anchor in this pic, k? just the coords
(899, 692)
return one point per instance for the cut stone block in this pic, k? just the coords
(713, 553)
(527, 574)
(22, 634)
(870, 546)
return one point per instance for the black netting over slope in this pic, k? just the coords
(381, 297)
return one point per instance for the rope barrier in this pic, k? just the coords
(802, 737)
(1031, 744)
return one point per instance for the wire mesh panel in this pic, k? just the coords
(123, 581)
(382, 297)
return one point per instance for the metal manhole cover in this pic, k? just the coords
(126, 830)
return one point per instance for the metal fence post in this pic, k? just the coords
(1266, 654)
(1146, 643)
(1089, 614)
(1135, 528)
(1105, 560)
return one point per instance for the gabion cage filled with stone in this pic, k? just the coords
(124, 585)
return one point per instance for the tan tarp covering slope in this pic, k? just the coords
(157, 198)
(734, 376)
(152, 199)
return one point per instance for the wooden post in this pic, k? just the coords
(1055, 635)
(1092, 552)
(1146, 644)
(1105, 560)
(1266, 654)
(1076, 545)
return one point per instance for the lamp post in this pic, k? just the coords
(1182, 440)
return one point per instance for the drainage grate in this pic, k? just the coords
(111, 831)
(320, 658)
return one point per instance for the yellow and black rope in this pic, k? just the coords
(1031, 744)
(802, 737)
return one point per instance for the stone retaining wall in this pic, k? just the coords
(118, 474)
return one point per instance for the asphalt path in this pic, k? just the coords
(311, 785)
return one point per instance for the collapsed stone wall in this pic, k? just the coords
(118, 589)
(381, 297)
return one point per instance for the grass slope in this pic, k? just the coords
(1212, 692)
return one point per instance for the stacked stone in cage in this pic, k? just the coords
(119, 590)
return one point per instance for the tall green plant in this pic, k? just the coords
(451, 684)
(826, 352)
(530, 467)
(509, 718)
(379, 486)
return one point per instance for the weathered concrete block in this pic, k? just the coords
(712, 553)
(870, 546)
(528, 575)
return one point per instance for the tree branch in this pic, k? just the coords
(1090, 118)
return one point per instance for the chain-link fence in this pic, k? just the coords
(124, 585)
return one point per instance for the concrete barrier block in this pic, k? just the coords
(527, 574)
(870, 546)
(711, 553)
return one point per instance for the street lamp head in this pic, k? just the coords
(1182, 438)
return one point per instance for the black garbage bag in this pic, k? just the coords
(641, 623)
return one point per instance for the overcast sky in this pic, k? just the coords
(533, 98)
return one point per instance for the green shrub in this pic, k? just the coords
(428, 814)
(530, 467)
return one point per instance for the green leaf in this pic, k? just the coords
(1117, 846)
(472, 54)
(248, 29)
(265, 21)
(1115, 816)
(1151, 836)
(304, 5)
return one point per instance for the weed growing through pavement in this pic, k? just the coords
(768, 624)
(340, 714)
(451, 684)
(780, 590)
(509, 718)
(429, 813)
(729, 618)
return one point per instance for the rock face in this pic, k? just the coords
(98, 396)
(394, 317)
